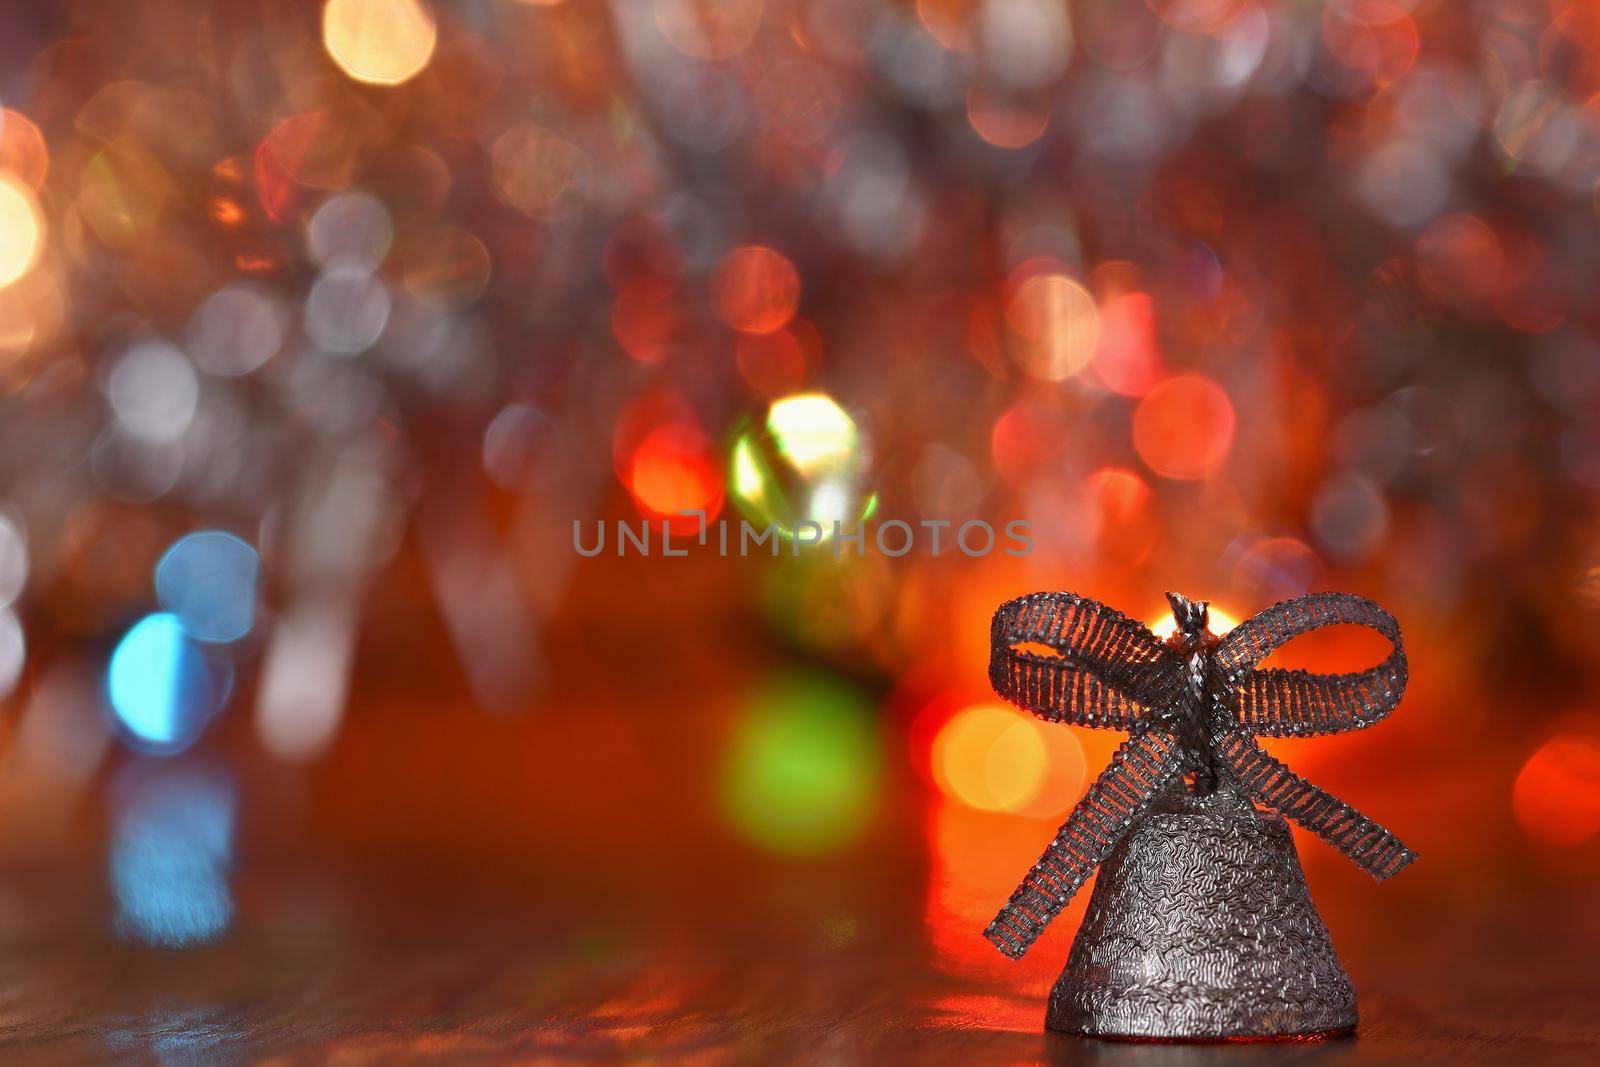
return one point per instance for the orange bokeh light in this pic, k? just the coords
(1197, 16)
(1121, 503)
(1057, 323)
(1006, 123)
(948, 21)
(22, 149)
(1556, 797)
(1121, 495)
(1184, 427)
(225, 211)
(995, 758)
(755, 289)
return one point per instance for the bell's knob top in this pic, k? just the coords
(1192, 615)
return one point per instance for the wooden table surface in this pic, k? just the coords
(440, 891)
(400, 962)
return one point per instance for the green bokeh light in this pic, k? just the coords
(803, 772)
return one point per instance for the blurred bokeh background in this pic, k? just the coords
(322, 326)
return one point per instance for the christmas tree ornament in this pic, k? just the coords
(1200, 926)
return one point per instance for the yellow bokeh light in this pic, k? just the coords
(21, 229)
(1218, 622)
(812, 430)
(748, 481)
(380, 42)
(805, 465)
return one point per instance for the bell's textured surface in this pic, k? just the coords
(1201, 927)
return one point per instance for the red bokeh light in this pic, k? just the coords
(1376, 37)
(773, 364)
(646, 320)
(1127, 358)
(1556, 797)
(1459, 259)
(1025, 438)
(755, 289)
(674, 470)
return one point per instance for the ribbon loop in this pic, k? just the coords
(1067, 658)
(1088, 664)
(1298, 703)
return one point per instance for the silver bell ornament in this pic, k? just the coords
(1200, 926)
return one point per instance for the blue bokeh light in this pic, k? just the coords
(170, 859)
(208, 580)
(159, 685)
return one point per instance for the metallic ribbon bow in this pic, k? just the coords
(1192, 705)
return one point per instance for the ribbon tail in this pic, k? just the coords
(1138, 770)
(1368, 845)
